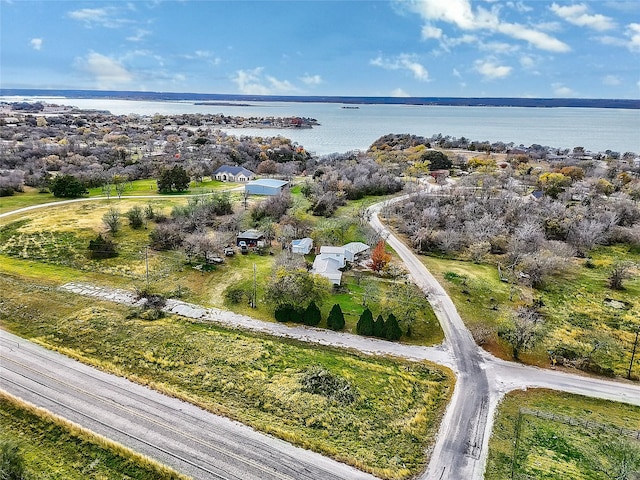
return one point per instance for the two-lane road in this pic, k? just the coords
(178, 434)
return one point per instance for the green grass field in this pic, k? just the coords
(60, 239)
(255, 379)
(31, 196)
(524, 446)
(52, 448)
(579, 308)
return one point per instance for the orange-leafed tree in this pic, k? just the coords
(379, 257)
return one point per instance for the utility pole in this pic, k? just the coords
(633, 353)
(146, 261)
(255, 290)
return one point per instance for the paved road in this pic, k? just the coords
(462, 433)
(178, 434)
(461, 447)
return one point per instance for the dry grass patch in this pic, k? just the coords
(256, 379)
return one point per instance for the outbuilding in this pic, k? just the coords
(251, 238)
(265, 186)
(302, 246)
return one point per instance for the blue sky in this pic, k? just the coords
(519, 48)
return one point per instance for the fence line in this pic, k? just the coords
(582, 423)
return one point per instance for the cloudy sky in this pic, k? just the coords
(526, 48)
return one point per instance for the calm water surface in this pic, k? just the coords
(341, 130)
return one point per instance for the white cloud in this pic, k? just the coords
(562, 90)
(611, 80)
(311, 80)
(632, 42)
(429, 31)
(403, 61)
(36, 43)
(139, 36)
(398, 92)
(461, 14)
(527, 62)
(633, 32)
(536, 38)
(577, 15)
(490, 70)
(104, 17)
(456, 73)
(254, 82)
(499, 47)
(106, 72)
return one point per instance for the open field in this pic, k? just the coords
(583, 442)
(384, 425)
(54, 448)
(56, 245)
(31, 196)
(585, 319)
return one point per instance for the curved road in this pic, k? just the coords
(207, 446)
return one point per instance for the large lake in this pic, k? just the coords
(341, 129)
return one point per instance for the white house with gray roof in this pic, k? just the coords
(228, 173)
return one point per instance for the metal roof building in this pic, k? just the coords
(265, 186)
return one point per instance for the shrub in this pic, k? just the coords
(136, 217)
(235, 295)
(67, 186)
(335, 320)
(379, 327)
(319, 381)
(11, 461)
(102, 248)
(365, 323)
(392, 329)
(288, 313)
(311, 315)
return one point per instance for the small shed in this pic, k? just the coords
(252, 238)
(265, 186)
(302, 246)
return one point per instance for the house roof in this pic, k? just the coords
(356, 247)
(301, 242)
(269, 182)
(233, 170)
(328, 268)
(328, 249)
(252, 234)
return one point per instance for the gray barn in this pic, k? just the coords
(265, 186)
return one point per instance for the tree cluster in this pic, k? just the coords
(338, 178)
(389, 329)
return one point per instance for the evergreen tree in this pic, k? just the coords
(173, 179)
(282, 313)
(335, 321)
(67, 186)
(392, 329)
(365, 324)
(312, 315)
(378, 327)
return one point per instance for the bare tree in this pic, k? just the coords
(112, 220)
(619, 273)
(524, 330)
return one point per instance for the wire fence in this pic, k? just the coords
(589, 424)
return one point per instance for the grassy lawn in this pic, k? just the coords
(583, 315)
(385, 428)
(31, 196)
(55, 246)
(150, 187)
(52, 448)
(552, 449)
